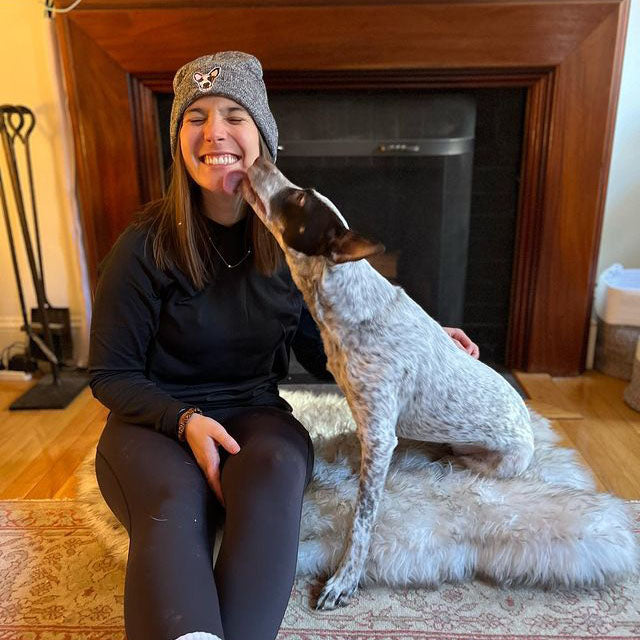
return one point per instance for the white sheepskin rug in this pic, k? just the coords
(438, 521)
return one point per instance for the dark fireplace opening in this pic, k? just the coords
(432, 174)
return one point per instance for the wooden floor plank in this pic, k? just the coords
(557, 416)
(46, 435)
(50, 469)
(51, 482)
(552, 412)
(608, 437)
(541, 387)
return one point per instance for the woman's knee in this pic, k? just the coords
(272, 442)
(276, 456)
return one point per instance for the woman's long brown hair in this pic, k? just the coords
(179, 230)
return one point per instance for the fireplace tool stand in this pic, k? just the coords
(56, 389)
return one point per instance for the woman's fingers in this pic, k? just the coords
(470, 347)
(228, 442)
(462, 337)
(218, 435)
(214, 483)
(463, 341)
(221, 436)
(203, 435)
(212, 469)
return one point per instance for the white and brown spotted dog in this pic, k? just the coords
(401, 373)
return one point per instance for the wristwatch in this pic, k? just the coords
(183, 418)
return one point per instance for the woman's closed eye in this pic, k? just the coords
(200, 120)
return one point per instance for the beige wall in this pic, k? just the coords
(30, 75)
(621, 228)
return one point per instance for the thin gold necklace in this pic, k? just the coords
(229, 266)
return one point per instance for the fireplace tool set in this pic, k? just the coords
(49, 329)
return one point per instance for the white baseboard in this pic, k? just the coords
(10, 333)
(17, 376)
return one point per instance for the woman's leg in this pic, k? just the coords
(263, 486)
(156, 489)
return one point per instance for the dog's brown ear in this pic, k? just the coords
(351, 246)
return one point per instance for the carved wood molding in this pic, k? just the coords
(569, 55)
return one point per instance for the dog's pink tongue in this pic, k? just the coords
(231, 181)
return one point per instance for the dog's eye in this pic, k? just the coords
(301, 198)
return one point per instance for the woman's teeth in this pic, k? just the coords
(226, 159)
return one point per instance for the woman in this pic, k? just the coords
(194, 318)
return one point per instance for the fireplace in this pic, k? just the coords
(400, 165)
(566, 58)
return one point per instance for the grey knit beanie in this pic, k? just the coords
(232, 74)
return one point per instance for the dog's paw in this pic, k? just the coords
(336, 593)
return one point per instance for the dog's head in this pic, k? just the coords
(301, 220)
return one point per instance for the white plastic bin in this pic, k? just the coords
(617, 305)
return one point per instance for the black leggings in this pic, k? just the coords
(156, 489)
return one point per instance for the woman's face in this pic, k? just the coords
(217, 136)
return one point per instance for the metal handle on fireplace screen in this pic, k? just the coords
(392, 148)
(366, 148)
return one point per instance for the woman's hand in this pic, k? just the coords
(463, 341)
(203, 435)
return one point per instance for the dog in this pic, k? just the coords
(401, 374)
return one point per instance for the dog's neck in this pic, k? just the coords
(348, 293)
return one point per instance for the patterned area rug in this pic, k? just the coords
(57, 582)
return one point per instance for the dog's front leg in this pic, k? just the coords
(377, 441)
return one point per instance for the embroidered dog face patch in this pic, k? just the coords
(205, 81)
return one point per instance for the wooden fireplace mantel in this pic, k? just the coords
(567, 53)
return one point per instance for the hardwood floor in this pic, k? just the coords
(41, 450)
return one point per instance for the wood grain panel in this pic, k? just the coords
(114, 5)
(149, 151)
(568, 53)
(381, 79)
(531, 215)
(437, 36)
(584, 97)
(107, 166)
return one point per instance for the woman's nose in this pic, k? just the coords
(215, 129)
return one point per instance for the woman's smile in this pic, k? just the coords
(219, 160)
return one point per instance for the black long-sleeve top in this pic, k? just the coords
(158, 345)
